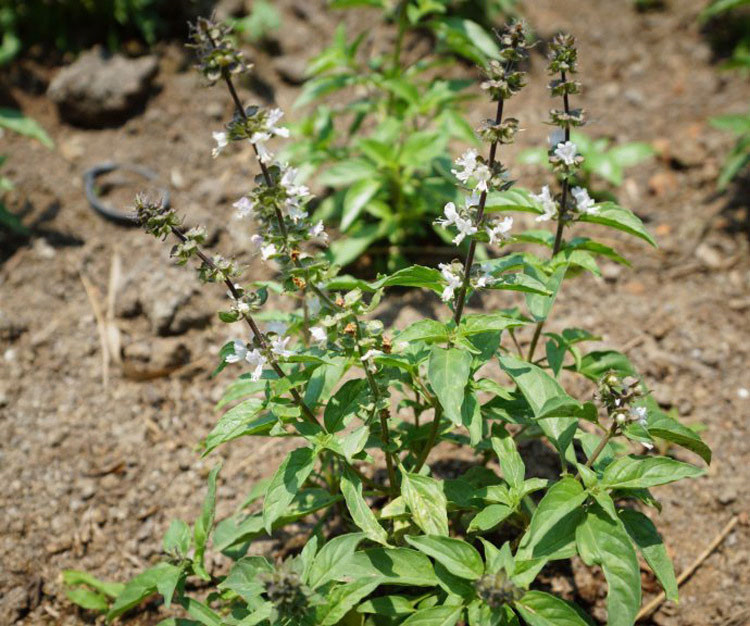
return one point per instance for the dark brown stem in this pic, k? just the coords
(560, 226)
(461, 299)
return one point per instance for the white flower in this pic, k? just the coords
(221, 142)
(566, 152)
(257, 241)
(319, 335)
(318, 231)
(468, 162)
(295, 194)
(371, 353)
(584, 202)
(276, 327)
(257, 361)
(259, 140)
(548, 204)
(639, 414)
(499, 231)
(267, 251)
(482, 176)
(453, 279)
(485, 280)
(278, 346)
(240, 352)
(452, 217)
(244, 207)
(274, 115)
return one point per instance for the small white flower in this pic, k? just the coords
(276, 327)
(371, 353)
(467, 162)
(244, 207)
(566, 152)
(278, 346)
(486, 278)
(274, 115)
(482, 176)
(318, 231)
(257, 241)
(548, 204)
(639, 414)
(584, 202)
(499, 231)
(257, 361)
(264, 154)
(267, 251)
(240, 352)
(465, 227)
(319, 335)
(242, 307)
(222, 142)
(453, 279)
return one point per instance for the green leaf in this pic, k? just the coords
(642, 472)
(467, 38)
(671, 430)
(356, 198)
(286, 482)
(243, 577)
(338, 550)
(400, 566)
(448, 371)
(511, 462)
(489, 517)
(237, 422)
(615, 216)
(200, 611)
(204, 524)
(738, 123)
(364, 518)
(323, 380)
(630, 154)
(17, 122)
(516, 199)
(345, 402)
(434, 616)
(603, 541)
(543, 609)
(389, 606)
(485, 322)
(540, 306)
(554, 521)
(161, 577)
(413, 276)
(643, 532)
(344, 251)
(427, 502)
(73, 578)
(538, 388)
(471, 417)
(429, 331)
(459, 557)
(88, 599)
(177, 538)
(347, 172)
(341, 599)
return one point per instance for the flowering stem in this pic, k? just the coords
(602, 444)
(560, 223)
(304, 409)
(480, 216)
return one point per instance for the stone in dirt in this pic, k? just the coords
(100, 89)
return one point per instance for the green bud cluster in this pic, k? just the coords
(183, 251)
(285, 590)
(503, 81)
(503, 133)
(220, 269)
(495, 590)
(563, 55)
(217, 53)
(617, 394)
(155, 218)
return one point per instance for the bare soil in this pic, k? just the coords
(92, 473)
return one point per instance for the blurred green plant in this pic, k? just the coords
(263, 19)
(602, 160)
(739, 157)
(70, 25)
(15, 121)
(388, 141)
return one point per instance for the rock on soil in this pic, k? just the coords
(99, 90)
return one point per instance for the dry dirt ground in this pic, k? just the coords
(92, 474)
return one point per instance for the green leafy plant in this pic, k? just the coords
(382, 152)
(735, 31)
(739, 157)
(601, 159)
(389, 538)
(13, 120)
(263, 19)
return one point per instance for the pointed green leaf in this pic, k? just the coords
(356, 198)
(345, 402)
(603, 541)
(364, 518)
(435, 616)
(204, 524)
(642, 472)
(238, 421)
(448, 372)
(511, 462)
(400, 566)
(427, 502)
(459, 557)
(543, 609)
(615, 216)
(286, 482)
